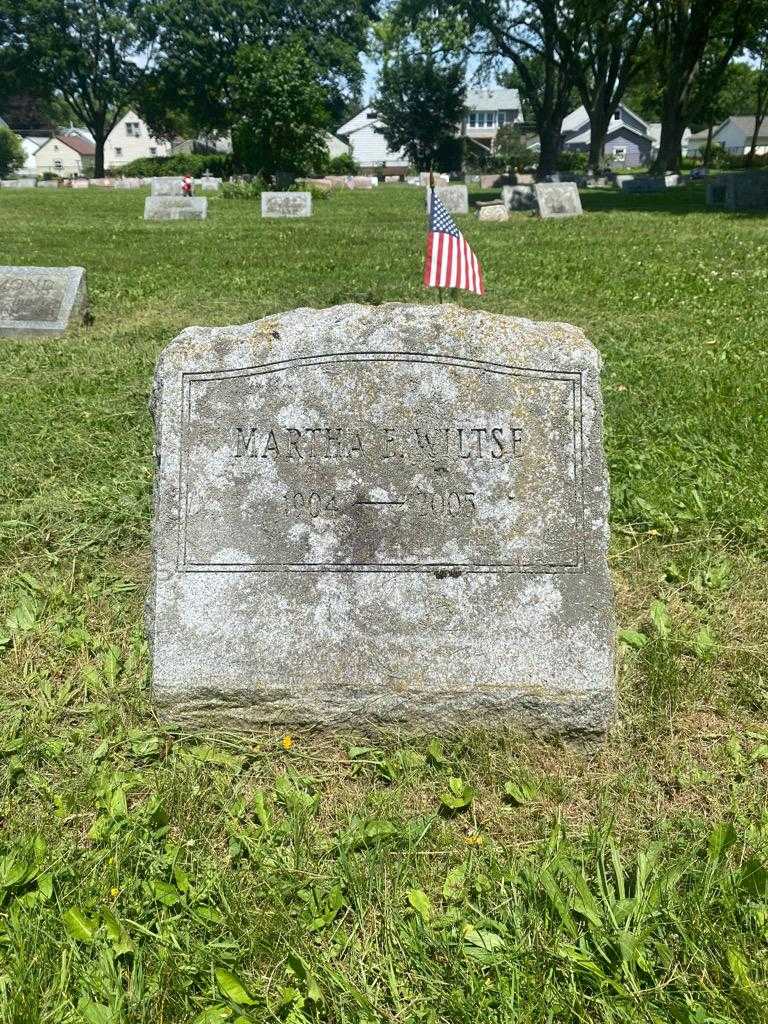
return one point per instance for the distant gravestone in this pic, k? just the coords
(80, 183)
(716, 192)
(208, 183)
(493, 212)
(43, 301)
(455, 198)
(441, 178)
(558, 199)
(747, 190)
(129, 183)
(166, 186)
(642, 183)
(19, 182)
(48, 183)
(286, 204)
(175, 208)
(381, 516)
(518, 197)
(102, 182)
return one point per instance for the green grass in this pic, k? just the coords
(143, 871)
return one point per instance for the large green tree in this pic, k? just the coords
(199, 66)
(92, 53)
(12, 154)
(421, 104)
(279, 108)
(690, 37)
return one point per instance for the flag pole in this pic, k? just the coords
(431, 200)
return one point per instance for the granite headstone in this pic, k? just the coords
(166, 186)
(518, 197)
(558, 199)
(494, 212)
(175, 208)
(455, 198)
(384, 515)
(41, 301)
(286, 204)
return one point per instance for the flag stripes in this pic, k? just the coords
(450, 262)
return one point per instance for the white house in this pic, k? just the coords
(67, 155)
(487, 110)
(30, 144)
(335, 146)
(368, 147)
(129, 140)
(735, 135)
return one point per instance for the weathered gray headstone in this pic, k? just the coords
(493, 212)
(381, 515)
(518, 197)
(208, 183)
(80, 183)
(746, 190)
(455, 198)
(48, 183)
(286, 204)
(175, 208)
(41, 300)
(558, 199)
(166, 186)
(19, 182)
(441, 178)
(716, 192)
(642, 183)
(128, 183)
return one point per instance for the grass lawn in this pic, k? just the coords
(148, 875)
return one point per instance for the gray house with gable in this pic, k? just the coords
(627, 142)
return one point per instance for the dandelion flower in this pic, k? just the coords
(474, 839)
(287, 742)
(113, 892)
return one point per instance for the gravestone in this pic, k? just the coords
(380, 516)
(716, 192)
(455, 198)
(175, 208)
(642, 183)
(286, 204)
(166, 186)
(19, 183)
(558, 199)
(40, 301)
(80, 183)
(747, 190)
(207, 183)
(48, 183)
(441, 178)
(492, 212)
(518, 197)
(130, 183)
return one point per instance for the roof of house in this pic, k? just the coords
(579, 118)
(75, 142)
(745, 122)
(494, 98)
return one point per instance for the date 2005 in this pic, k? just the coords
(316, 504)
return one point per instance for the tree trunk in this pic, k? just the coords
(708, 147)
(672, 127)
(753, 143)
(98, 159)
(598, 129)
(549, 147)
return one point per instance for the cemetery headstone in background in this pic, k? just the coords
(175, 208)
(389, 515)
(41, 300)
(558, 199)
(518, 197)
(286, 204)
(455, 198)
(747, 190)
(19, 182)
(166, 186)
(492, 212)
(441, 178)
(641, 183)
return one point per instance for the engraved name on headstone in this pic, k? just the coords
(381, 515)
(286, 204)
(40, 300)
(557, 199)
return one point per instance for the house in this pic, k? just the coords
(735, 135)
(335, 146)
(129, 140)
(487, 110)
(627, 141)
(368, 146)
(66, 154)
(654, 130)
(30, 144)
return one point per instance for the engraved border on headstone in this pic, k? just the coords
(72, 305)
(575, 564)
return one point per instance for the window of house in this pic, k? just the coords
(473, 120)
(501, 118)
(620, 154)
(118, 150)
(617, 115)
(132, 129)
(153, 150)
(58, 165)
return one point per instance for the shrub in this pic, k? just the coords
(12, 155)
(574, 162)
(342, 164)
(219, 164)
(242, 188)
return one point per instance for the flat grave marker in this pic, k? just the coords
(286, 204)
(41, 301)
(175, 208)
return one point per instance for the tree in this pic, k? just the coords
(279, 106)
(91, 52)
(196, 75)
(759, 48)
(601, 41)
(421, 104)
(12, 155)
(684, 31)
(511, 148)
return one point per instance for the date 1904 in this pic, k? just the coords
(322, 505)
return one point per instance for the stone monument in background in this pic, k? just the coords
(43, 301)
(381, 516)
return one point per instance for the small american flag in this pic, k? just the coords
(450, 261)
